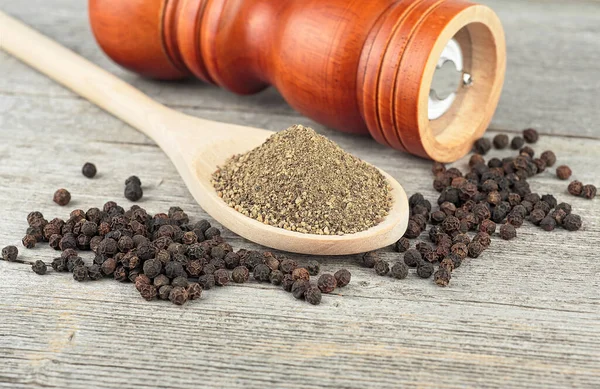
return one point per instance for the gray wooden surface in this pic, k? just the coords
(526, 314)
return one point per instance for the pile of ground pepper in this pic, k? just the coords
(301, 181)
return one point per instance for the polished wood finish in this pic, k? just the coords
(195, 146)
(354, 65)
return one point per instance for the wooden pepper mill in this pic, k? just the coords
(359, 66)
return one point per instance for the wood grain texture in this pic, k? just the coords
(525, 314)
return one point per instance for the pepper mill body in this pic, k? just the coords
(358, 66)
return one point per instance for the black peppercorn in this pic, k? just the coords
(527, 150)
(287, 266)
(313, 295)
(517, 142)
(206, 281)
(164, 291)
(222, 277)
(39, 267)
(212, 232)
(194, 291)
(508, 232)
(89, 170)
(382, 268)
(161, 280)
(10, 253)
(342, 277)
(62, 197)
(572, 222)
(425, 269)
(80, 273)
(412, 258)
(482, 146)
(589, 192)
(178, 295)
(287, 282)
(240, 274)
(29, 241)
(300, 273)
(173, 269)
(313, 267)
(180, 281)
(531, 135)
(487, 226)
(133, 192)
(399, 270)
(152, 268)
(369, 259)
(563, 172)
(95, 272)
(402, 244)
(327, 283)
(276, 277)
(442, 277)
(575, 188)
(413, 230)
(300, 287)
(262, 273)
(460, 249)
(148, 292)
(475, 249)
(120, 274)
(500, 141)
(438, 168)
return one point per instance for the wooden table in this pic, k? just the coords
(525, 314)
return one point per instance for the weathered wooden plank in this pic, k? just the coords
(516, 317)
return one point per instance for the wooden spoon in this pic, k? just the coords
(195, 146)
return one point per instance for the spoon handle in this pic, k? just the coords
(82, 77)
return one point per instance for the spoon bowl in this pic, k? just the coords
(195, 146)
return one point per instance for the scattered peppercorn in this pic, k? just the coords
(572, 222)
(29, 241)
(412, 258)
(39, 267)
(382, 268)
(442, 277)
(89, 170)
(342, 277)
(313, 267)
(482, 146)
(500, 141)
(287, 266)
(425, 269)
(133, 191)
(262, 273)
(276, 277)
(327, 283)
(399, 270)
(549, 157)
(240, 274)
(300, 273)
(530, 135)
(508, 232)
(222, 277)
(563, 172)
(287, 282)
(402, 245)
(589, 191)
(62, 197)
(299, 288)
(10, 253)
(517, 142)
(313, 295)
(80, 273)
(178, 295)
(575, 188)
